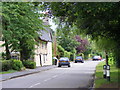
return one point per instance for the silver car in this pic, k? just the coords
(64, 61)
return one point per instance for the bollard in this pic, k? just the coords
(108, 72)
(104, 71)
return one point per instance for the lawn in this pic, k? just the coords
(9, 71)
(100, 82)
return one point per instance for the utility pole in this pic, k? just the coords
(55, 45)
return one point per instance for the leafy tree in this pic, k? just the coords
(83, 44)
(20, 23)
(66, 38)
(94, 19)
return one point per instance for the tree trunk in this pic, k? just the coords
(21, 51)
(106, 58)
(8, 56)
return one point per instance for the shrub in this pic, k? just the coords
(29, 64)
(17, 65)
(6, 65)
(67, 54)
(60, 51)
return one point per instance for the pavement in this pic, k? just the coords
(5, 77)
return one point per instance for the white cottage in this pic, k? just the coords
(43, 52)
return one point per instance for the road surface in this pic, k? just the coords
(79, 75)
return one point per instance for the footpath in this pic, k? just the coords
(4, 77)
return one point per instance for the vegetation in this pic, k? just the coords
(9, 71)
(100, 82)
(93, 19)
(11, 65)
(29, 64)
(20, 24)
(68, 42)
(16, 65)
(6, 65)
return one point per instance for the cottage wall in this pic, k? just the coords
(2, 49)
(43, 54)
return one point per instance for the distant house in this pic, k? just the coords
(43, 52)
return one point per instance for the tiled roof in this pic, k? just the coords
(45, 35)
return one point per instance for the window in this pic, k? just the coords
(46, 45)
(42, 45)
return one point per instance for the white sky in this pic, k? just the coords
(53, 26)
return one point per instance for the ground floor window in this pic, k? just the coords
(45, 58)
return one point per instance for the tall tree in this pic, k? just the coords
(20, 26)
(95, 19)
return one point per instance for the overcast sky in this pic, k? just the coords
(53, 26)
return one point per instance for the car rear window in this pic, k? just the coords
(78, 57)
(64, 59)
(96, 57)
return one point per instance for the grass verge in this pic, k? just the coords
(100, 82)
(9, 71)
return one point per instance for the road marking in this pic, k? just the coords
(47, 79)
(44, 80)
(54, 76)
(34, 85)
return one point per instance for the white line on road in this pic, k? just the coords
(44, 81)
(34, 85)
(47, 79)
(54, 76)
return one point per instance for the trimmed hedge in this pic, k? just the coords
(11, 64)
(6, 65)
(29, 64)
(17, 65)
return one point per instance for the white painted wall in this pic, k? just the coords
(37, 60)
(2, 49)
(46, 53)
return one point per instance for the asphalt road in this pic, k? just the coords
(79, 75)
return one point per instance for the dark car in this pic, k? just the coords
(79, 59)
(96, 58)
(64, 61)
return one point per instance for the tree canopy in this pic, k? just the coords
(95, 19)
(20, 24)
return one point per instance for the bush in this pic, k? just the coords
(17, 65)
(60, 51)
(6, 65)
(67, 54)
(29, 64)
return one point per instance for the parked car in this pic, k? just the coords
(64, 61)
(96, 58)
(79, 59)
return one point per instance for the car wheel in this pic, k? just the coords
(68, 65)
(75, 61)
(59, 65)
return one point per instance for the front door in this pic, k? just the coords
(40, 60)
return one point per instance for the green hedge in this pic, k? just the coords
(29, 64)
(11, 64)
(17, 65)
(6, 65)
